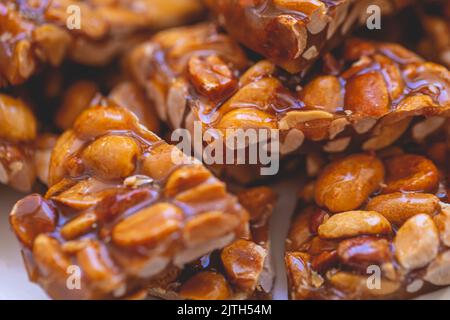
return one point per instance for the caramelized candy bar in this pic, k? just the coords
(435, 17)
(123, 206)
(41, 32)
(367, 97)
(292, 33)
(18, 130)
(365, 213)
(241, 270)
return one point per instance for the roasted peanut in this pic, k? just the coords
(32, 216)
(410, 172)
(211, 76)
(148, 226)
(99, 268)
(438, 272)
(77, 98)
(417, 242)
(384, 135)
(357, 285)
(206, 286)
(398, 207)
(442, 221)
(354, 223)
(159, 162)
(82, 195)
(78, 226)
(324, 261)
(317, 218)
(244, 261)
(129, 95)
(95, 122)
(206, 227)
(361, 252)
(299, 274)
(202, 193)
(324, 91)
(367, 95)
(186, 178)
(247, 118)
(345, 184)
(17, 121)
(317, 245)
(50, 258)
(112, 157)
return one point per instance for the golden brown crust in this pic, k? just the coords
(293, 34)
(122, 206)
(241, 270)
(367, 96)
(371, 235)
(37, 33)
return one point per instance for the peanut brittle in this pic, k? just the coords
(435, 16)
(292, 33)
(367, 97)
(18, 131)
(80, 94)
(123, 206)
(37, 32)
(372, 227)
(241, 270)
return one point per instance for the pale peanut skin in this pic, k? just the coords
(417, 242)
(354, 223)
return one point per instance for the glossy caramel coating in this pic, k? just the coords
(293, 34)
(122, 207)
(367, 95)
(368, 214)
(37, 33)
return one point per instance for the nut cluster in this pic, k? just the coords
(261, 86)
(81, 94)
(435, 17)
(18, 130)
(367, 97)
(366, 211)
(45, 32)
(123, 206)
(291, 33)
(241, 270)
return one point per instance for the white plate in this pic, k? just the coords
(14, 282)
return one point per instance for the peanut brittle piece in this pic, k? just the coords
(366, 96)
(435, 18)
(372, 226)
(241, 270)
(39, 32)
(122, 207)
(293, 33)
